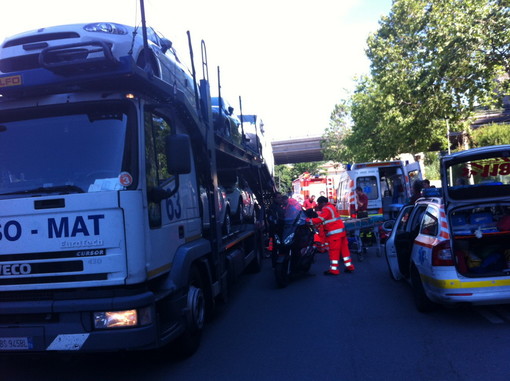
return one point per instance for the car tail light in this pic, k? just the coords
(442, 254)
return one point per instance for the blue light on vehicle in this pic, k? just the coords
(106, 27)
(431, 192)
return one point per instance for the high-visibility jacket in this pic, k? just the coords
(329, 217)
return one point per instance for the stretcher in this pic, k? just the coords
(362, 232)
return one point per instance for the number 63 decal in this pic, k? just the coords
(173, 207)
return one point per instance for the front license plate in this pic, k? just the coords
(15, 343)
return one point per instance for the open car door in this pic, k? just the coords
(399, 243)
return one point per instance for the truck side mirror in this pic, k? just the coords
(178, 154)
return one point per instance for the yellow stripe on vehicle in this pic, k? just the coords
(160, 270)
(456, 283)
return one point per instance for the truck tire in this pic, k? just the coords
(189, 341)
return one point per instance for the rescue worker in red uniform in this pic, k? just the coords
(336, 236)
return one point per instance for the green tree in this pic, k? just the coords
(285, 173)
(432, 166)
(300, 168)
(332, 143)
(493, 134)
(430, 61)
(283, 177)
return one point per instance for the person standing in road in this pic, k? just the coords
(362, 203)
(309, 203)
(275, 212)
(417, 188)
(336, 236)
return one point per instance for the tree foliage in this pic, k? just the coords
(283, 177)
(431, 163)
(494, 134)
(285, 174)
(333, 140)
(430, 61)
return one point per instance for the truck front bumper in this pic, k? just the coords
(68, 325)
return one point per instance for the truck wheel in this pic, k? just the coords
(422, 301)
(189, 341)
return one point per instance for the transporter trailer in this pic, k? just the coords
(109, 232)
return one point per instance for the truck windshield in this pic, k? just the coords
(64, 149)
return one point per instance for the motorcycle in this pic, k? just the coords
(293, 250)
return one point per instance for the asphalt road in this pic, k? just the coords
(360, 326)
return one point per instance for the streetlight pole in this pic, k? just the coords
(449, 150)
(448, 135)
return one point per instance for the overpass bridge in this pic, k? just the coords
(297, 150)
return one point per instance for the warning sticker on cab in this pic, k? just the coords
(13, 80)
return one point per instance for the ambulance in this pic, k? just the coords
(387, 184)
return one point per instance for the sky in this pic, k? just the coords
(290, 61)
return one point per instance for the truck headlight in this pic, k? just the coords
(122, 319)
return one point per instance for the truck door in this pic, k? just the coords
(174, 218)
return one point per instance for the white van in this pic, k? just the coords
(387, 184)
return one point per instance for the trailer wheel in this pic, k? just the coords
(189, 341)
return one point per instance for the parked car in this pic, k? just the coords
(223, 209)
(453, 246)
(225, 121)
(256, 139)
(241, 200)
(89, 45)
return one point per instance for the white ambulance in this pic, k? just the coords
(386, 183)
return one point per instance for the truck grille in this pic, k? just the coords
(53, 279)
(61, 266)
